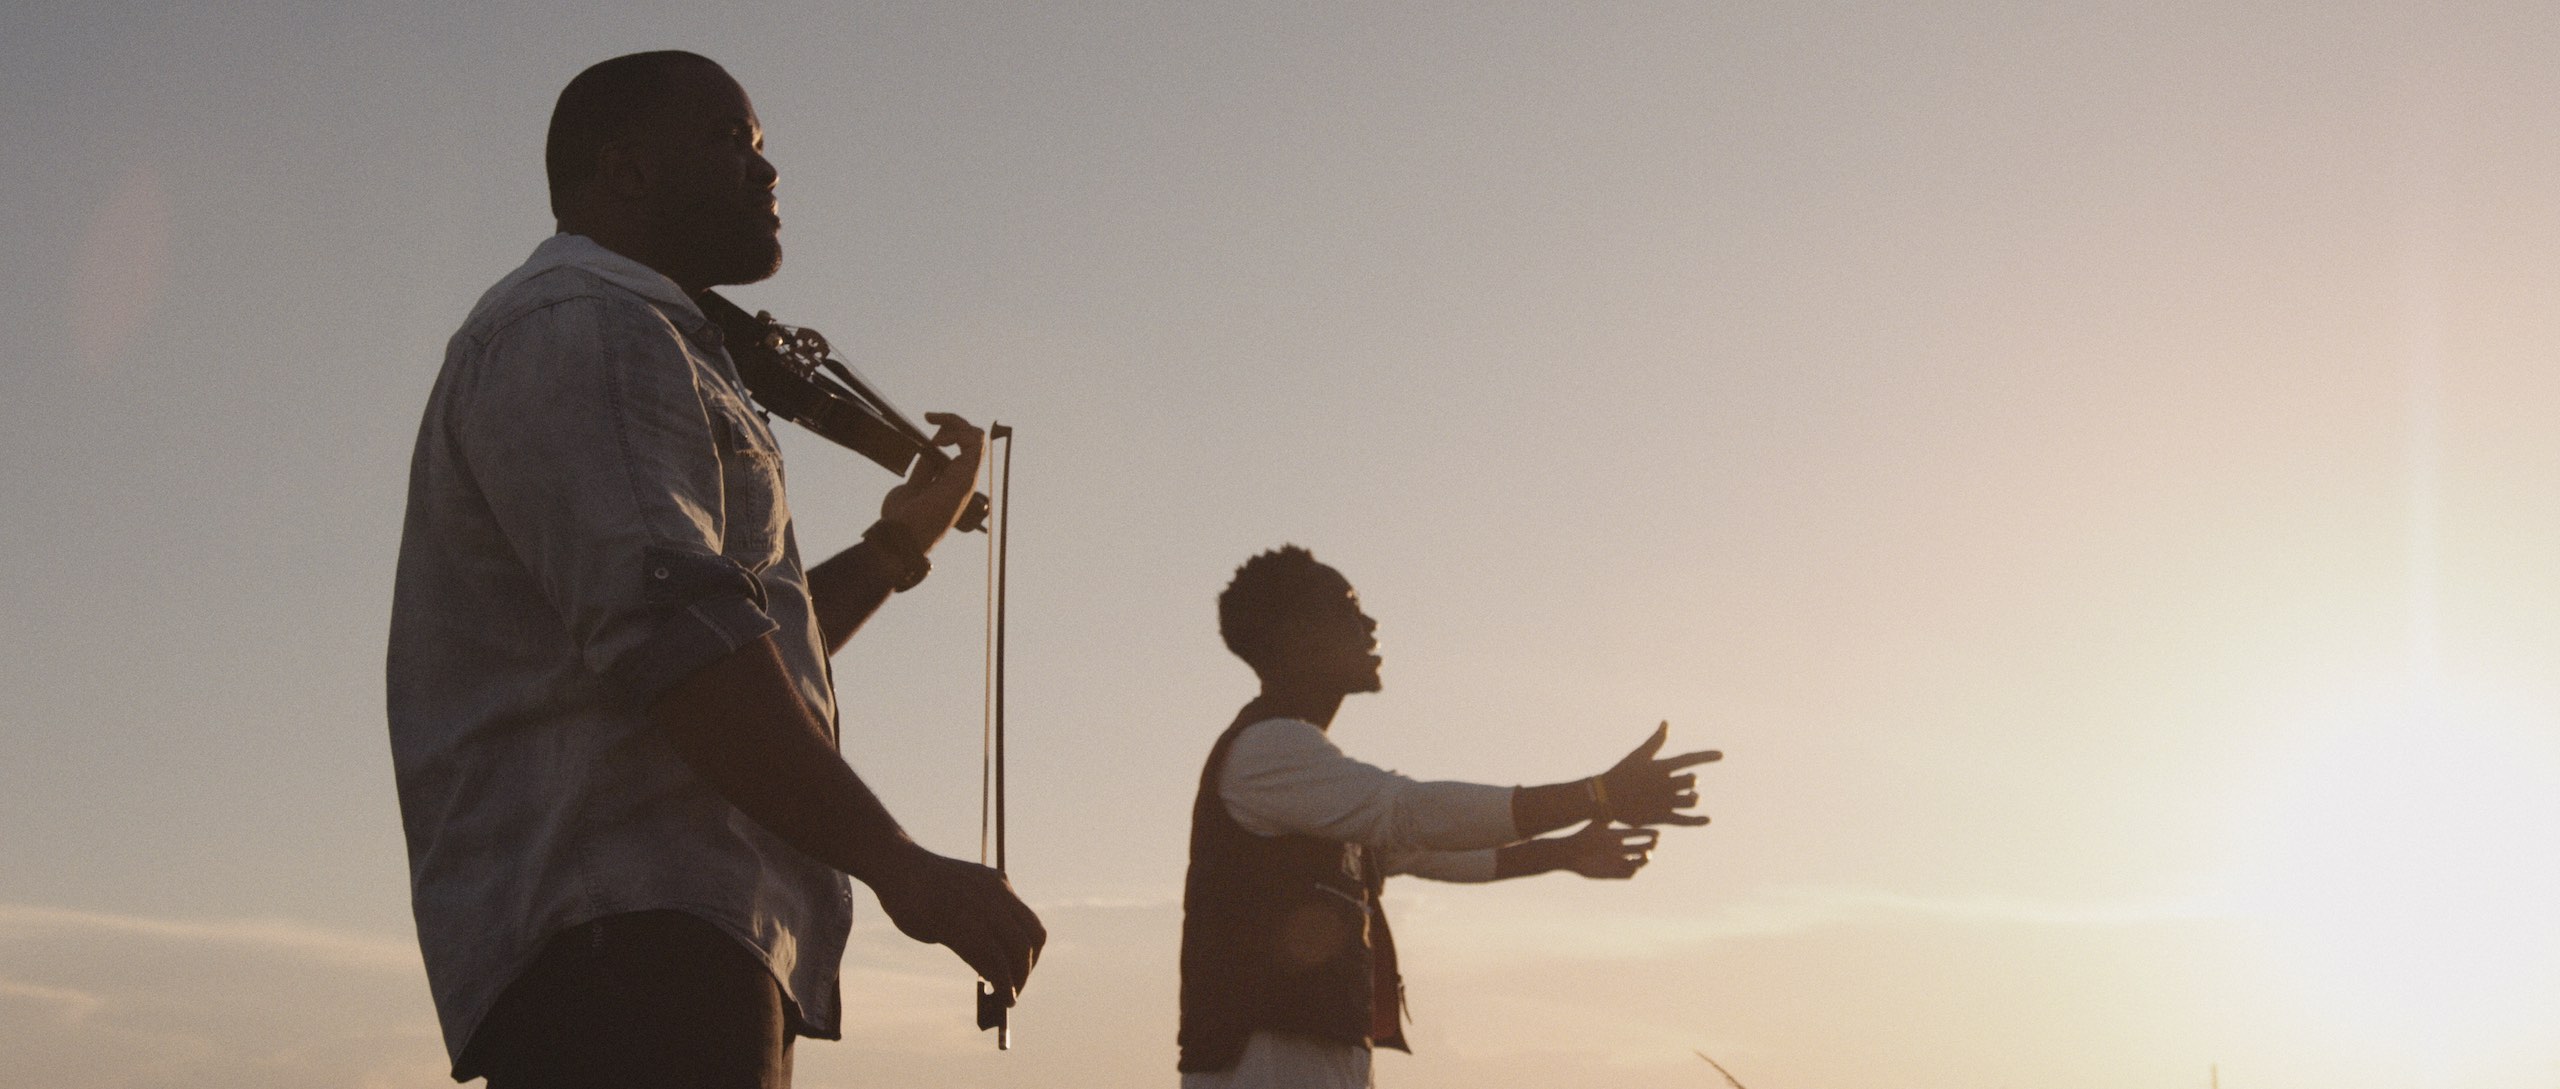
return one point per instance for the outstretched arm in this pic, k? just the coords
(1597, 851)
(1639, 790)
(1285, 777)
(738, 723)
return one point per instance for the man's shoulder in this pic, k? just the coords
(1278, 740)
(1279, 730)
(531, 290)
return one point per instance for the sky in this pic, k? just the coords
(2091, 468)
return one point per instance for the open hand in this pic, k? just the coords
(1643, 790)
(970, 908)
(1605, 853)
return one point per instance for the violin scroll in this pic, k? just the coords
(794, 373)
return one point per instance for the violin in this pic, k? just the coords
(794, 373)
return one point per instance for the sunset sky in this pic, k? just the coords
(2093, 469)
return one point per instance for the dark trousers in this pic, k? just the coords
(639, 1001)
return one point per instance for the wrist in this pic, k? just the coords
(892, 866)
(897, 554)
(1529, 858)
(1595, 790)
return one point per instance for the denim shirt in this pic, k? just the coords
(595, 511)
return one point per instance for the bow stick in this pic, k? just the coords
(792, 370)
(993, 1011)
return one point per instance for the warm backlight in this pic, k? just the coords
(2405, 862)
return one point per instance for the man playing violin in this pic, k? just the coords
(1288, 970)
(612, 722)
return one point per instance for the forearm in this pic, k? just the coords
(1473, 867)
(847, 589)
(737, 723)
(1528, 858)
(1538, 810)
(850, 586)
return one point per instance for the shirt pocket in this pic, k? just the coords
(753, 512)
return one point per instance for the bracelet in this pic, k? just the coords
(895, 543)
(1598, 790)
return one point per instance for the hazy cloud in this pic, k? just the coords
(19, 921)
(1830, 906)
(1771, 913)
(71, 1006)
(96, 999)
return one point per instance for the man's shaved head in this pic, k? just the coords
(660, 157)
(610, 101)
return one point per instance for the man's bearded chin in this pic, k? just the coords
(731, 253)
(747, 261)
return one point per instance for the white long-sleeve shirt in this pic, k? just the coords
(1284, 776)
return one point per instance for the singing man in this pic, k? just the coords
(1288, 969)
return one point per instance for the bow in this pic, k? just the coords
(792, 371)
(993, 1012)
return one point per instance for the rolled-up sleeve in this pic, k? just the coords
(1285, 777)
(587, 433)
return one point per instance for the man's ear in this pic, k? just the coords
(1284, 645)
(622, 173)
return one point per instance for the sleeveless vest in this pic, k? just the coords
(1279, 932)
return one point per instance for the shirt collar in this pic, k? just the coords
(581, 252)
